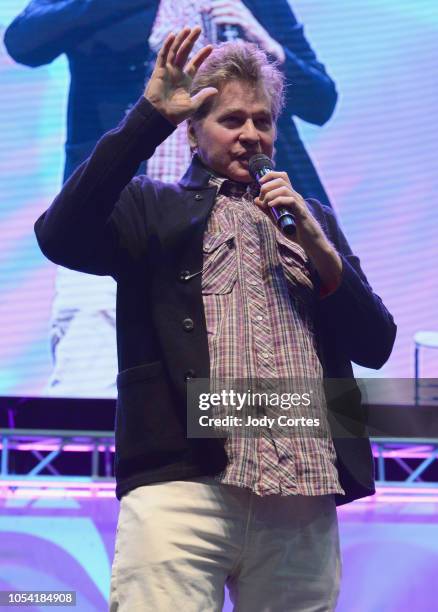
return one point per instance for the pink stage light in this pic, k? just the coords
(34, 488)
(405, 452)
(58, 484)
(382, 490)
(54, 493)
(47, 446)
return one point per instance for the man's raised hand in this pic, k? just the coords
(168, 88)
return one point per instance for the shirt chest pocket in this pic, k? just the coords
(219, 272)
(294, 263)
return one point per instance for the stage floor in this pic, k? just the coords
(57, 541)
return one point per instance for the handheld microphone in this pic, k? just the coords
(259, 165)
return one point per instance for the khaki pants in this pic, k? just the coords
(178, 543)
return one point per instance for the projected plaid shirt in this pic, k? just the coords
(259, 301)
(172, 157)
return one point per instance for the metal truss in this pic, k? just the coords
(398, 450)
(42, 447)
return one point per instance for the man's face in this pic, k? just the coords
(238, 125)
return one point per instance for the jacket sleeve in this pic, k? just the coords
(312, 95)
(95, 219)
(356, 316)
(47, 28)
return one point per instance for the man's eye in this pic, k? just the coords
(264, 123)
(232, 120)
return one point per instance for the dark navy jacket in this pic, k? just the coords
(106, 45)
(148, 235)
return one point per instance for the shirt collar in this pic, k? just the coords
(199, 176)
(233, 189)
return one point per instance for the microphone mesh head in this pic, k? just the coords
(257, 162)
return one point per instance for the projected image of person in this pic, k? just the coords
(111, 47)
(210, 288)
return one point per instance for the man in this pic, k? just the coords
(209, 287)
(111, 47)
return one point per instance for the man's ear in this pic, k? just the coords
(191, 135)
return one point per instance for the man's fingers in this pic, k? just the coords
(177, 44)
(223, 14)
(269, 197)
(272, 186)
(164, 51)
(273, 183)
(197, 60)
(225, 4)
(186, 47)
(176, 51)
(228, 19)
(202, 96)
(272, 174)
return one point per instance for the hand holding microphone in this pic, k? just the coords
(292, 215)
(260, 166)
(286, 206)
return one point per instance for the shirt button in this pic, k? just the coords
(251, 251)
(188, 325)
(265, 355)
(259, 318)
(189, 375)
(252, 282)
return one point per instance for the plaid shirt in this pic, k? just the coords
(259, 299)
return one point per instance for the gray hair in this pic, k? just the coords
(244, 61)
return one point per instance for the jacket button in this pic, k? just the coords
(184, 275)
(188, 324)
(198, 197)
(189, 375)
